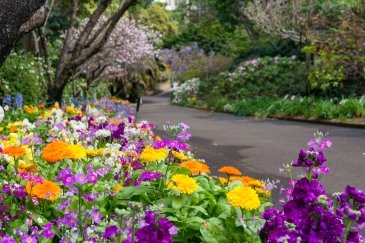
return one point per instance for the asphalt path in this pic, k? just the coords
(259, 147)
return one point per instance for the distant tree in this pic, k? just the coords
(16, 18)
(287, 19)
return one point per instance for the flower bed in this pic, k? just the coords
(94, 174)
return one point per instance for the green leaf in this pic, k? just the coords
(194, 223)
(129, 192)
(214, 232)
(177, 202)
(200, 209)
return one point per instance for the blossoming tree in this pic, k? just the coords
(127, 49)
(90, 42)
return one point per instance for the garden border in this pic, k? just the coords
(287, 118)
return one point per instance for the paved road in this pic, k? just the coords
(260, 147)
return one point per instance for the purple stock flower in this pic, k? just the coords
(156, 231)
(110, 231)
(171, 144)
(183, 136)
(149, 175)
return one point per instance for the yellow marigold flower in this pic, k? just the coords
(179, 155)
(117, 188)
(260, 187)
(70, 109)
(256, 184)
(46, 190)
(195, 167)
(77, 151)
(222, 180)
(1, 129)
(243, 197)
(183, 183)
(94, 152)
(56, 106)
(14, 151)
(150, 154)
(230, 170)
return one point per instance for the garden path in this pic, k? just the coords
(260, 147)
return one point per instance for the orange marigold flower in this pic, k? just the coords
(56, 151)
(247, 179)
(230, 170)
(29, 109)
(195, 167)
(13, 129)
(27, 168)
(222, 180)
(237, 178)
(14, 151)
(117, 188)
(46, 190)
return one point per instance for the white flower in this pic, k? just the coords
(2, 113)
(101, 119)
(103, 133)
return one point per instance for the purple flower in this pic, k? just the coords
(149, 175)
(28, 239)
(7, 239)
(156, 231)
(96, 216)
(171, 144)
(81, 179)
(183, 136)
(110, 231)
(69, 220)
(68, 180)
(149, 217)
(64, 204)
(92, 178)
(72, 191)
(47, 231)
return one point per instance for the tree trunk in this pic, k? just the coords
(18, 17)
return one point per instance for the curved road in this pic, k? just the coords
(260, 147)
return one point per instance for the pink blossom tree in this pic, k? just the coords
(128, 49)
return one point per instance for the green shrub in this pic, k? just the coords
(22, 73)
(262, 77)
